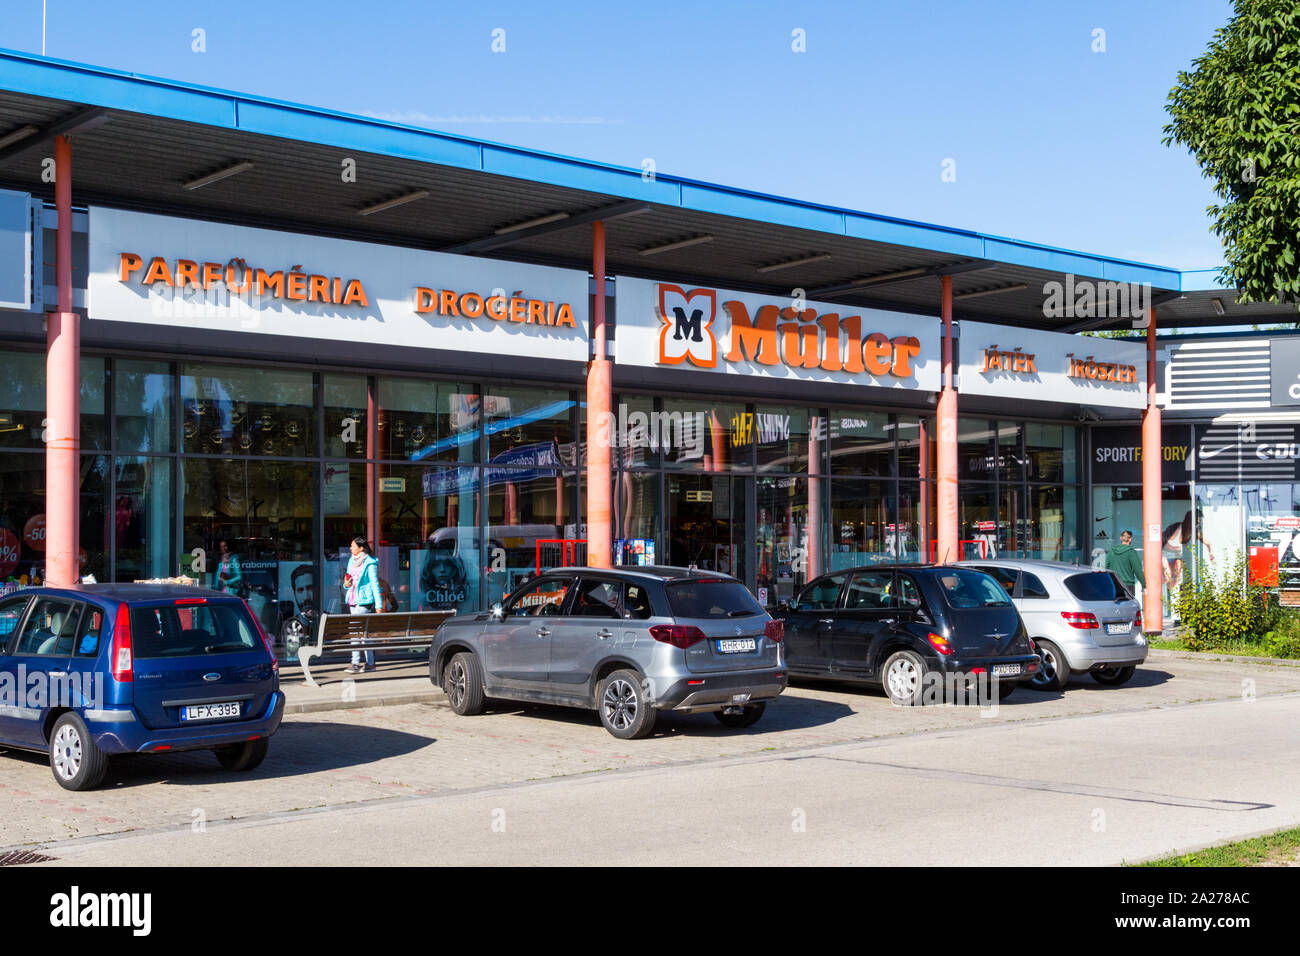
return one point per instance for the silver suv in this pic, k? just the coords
(1083, 620)
(627, 642)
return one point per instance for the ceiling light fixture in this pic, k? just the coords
(979, 292)
(392, 203)
(21, 133)
(539, 221)
(219, 175)
(794, 262)
(1218, 306)
(679, 244)
(842, 287)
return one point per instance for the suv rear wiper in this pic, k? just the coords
(740, 613)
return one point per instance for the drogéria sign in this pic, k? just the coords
(177, 272)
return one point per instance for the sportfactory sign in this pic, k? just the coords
(715, 330)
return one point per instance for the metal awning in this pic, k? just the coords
(281, 165)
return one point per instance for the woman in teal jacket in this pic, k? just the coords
(363, 595)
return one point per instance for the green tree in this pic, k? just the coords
(1238, 112)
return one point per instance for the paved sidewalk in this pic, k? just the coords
(393, 682)
(364, 753)
(406, 681)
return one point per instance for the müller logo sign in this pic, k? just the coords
(770, 335)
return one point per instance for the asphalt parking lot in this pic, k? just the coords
(365, 755)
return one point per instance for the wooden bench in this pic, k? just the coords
(398, 630)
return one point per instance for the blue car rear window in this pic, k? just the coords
(191, 630)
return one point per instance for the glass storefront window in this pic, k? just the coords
(93, 552)
(22, 513)
(343, 507)
(636, 502)
(636, 432)
(916, 449)
(975, 450)
(1115, 509)
(247, 411)
(22, 517)
(1221, 519)
(781, 438)
(1272, 525)
(428, 547)
(525, 519)
(529, 426)
(144, 517)
(143, 397)
(1010, 465)
(254, 525)
(788, 539)
(346, 425)
(862, 443)
(708, 436)
(22, 399)
(707, 518)
(916, 527)
(978, 526)
(94, 386)
(1051, 452)
(430, 421)
(1051, 529)
(1013, 530)
(864, 528)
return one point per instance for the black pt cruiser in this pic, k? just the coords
(917, 630)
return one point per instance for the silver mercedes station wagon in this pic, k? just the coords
(627, 642)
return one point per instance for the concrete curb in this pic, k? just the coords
(436, 698)
(1216, 656)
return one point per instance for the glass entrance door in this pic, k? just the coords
(783, 538)
(707, 518)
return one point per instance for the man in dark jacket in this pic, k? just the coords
(1124, 560)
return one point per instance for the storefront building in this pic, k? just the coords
(490, 361)
(1230, 485)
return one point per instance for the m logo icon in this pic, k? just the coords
(687, 333)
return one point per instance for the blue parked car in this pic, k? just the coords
(103, 669)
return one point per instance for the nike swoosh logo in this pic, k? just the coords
(1214, 452)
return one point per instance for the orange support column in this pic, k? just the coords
(63, 396)
(1152, 605)
(600, 401)
(946, 453)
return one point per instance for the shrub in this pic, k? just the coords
(1284, 640)
(1218, 612)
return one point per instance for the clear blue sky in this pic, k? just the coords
(1052, 142)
